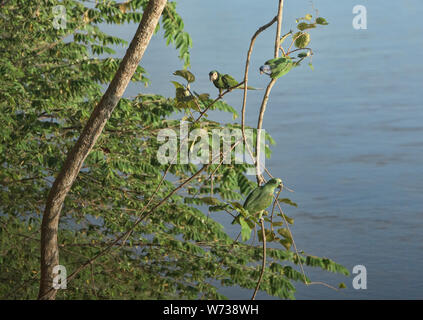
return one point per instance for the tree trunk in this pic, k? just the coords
(86, 141)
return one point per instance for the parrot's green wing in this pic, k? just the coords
(260, 198)
(282, 71)
(276, 61)
(279, 66)
(251, 200)
(218, 83)
(229, 81)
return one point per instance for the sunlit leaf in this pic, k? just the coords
(286, 243)
(288, 201)
(302, 39)
(210, 201)
(321, 21)
(303, 26)
(245, 229)
(187, 75)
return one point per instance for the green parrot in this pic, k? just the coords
(261, 197)
(278, 67)
(224, 82)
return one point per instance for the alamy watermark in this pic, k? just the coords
(200, 146)
(60, 278)
(360, 20)
(360, 280)
(59, 20)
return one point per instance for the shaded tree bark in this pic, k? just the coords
(86, 141)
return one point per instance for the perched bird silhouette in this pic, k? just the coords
(277, 67)
(261, 197)
(225, 82)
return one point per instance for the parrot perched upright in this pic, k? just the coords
(224, 82)
(261, 197)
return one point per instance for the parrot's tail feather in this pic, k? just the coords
(249, 88)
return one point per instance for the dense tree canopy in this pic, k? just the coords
(50, 82)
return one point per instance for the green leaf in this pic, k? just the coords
(245, 229)
(307, 17)
(219, 207)
(288, 201)
(286, 243)
(302, 39)
(210, 201)
(284, 232)
(237, 205)
(187, 75)
(270, 236)
(178, 85)
(288, 219)
(203, 96)
(303, 26)
(321, 21)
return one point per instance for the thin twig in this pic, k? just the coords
(267, 93)
(263, 263)
(247, 67)
(273, 208)
(220, 96)
(259, 127)
(278, 28)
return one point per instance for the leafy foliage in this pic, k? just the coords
(301, 39)
(50, 84)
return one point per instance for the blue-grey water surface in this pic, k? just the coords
(349, 134)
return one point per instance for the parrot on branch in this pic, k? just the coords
(225, 82)
(278, 67)
(261, 197)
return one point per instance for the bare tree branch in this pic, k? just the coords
(259, 126)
